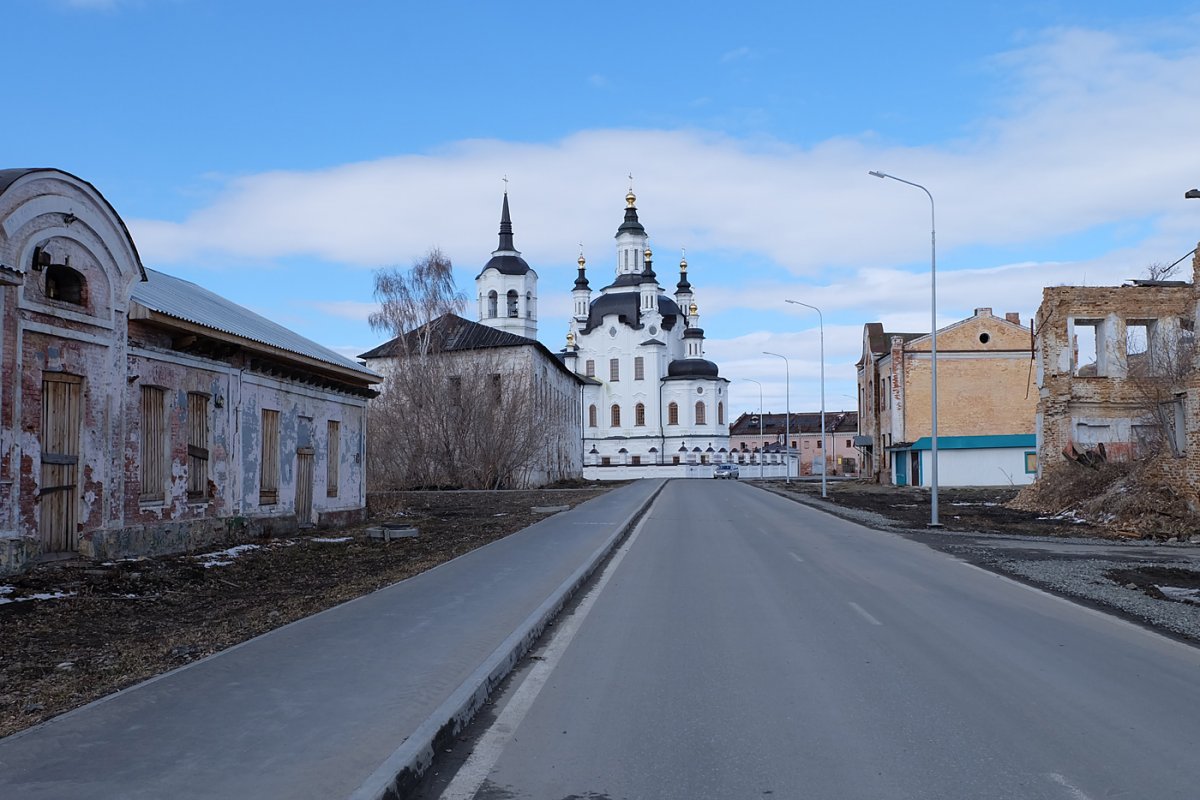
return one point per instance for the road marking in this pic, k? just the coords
(864, 614)
(491, 744)
(1076, 792)
(798, 558)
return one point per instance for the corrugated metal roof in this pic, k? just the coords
(184, 300)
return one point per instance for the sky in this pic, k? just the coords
(278, 153)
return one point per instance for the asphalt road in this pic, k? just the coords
(746, 646)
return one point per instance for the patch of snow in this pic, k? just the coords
(224, 558)
(39, 596)
(331, 539)
(501, 514)
(1181, 594)
(987, 505)
(7, 589)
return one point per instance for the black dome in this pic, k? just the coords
(691, 368)
(627, 307)
(507, 265)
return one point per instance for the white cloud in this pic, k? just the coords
(737, 54)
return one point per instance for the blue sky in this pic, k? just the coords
(278, 152)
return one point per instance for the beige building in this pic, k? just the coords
(986, 403)
(751, 441)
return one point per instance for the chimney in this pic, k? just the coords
(983, 312)
(1013, 317)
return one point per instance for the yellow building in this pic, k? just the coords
(986, 403)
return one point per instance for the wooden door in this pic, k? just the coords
(304, 486)
(60, 462)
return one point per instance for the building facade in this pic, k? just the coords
(986, 395)
(141, 414)
(753, 438)
(651, 399)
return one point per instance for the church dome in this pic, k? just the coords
(626, 305)
(691, 368)
(507, 264)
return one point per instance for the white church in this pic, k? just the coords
(651, 403)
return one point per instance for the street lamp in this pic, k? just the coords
(787, 416)
(933, 437)
(824, 449)
(760, 424)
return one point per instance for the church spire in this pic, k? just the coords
(506, 233)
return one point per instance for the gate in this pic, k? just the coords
(60, 462)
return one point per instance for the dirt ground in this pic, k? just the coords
(98, 628)
(976, 509)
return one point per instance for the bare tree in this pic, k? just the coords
(454, 411)
(1158, 271)
(1160, 375)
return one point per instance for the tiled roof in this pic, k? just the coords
(184, 300)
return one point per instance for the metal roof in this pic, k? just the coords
(184, 300)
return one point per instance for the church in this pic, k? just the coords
(651, 403)
(652, 398)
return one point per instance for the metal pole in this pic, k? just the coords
(824, 448)
(933, 438)
(787, 416)
(760, 426)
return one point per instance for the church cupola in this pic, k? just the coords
(581, 295)
(683, 290)
(693, 337)
(648, 288)
(631, 239)
(507, 287)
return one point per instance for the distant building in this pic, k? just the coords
(986, 403)
(142, 414)
(652, 401)
(749, 445)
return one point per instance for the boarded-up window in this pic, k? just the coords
(197, 446)
(154, 443)
(639, 368)
(331, 468)
(268, 485)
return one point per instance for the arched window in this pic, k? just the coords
(720, 413)
(616, 416)
(65, 284)
(492, 301)
(592, 416)
(639, 415)
(512, 302)
(673, 414)
(700, 412)
(529, 305)
(589, 368)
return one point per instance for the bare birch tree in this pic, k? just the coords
(450, 414)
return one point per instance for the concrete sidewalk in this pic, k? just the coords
(337, 705)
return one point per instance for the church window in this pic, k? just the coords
(700, 412)
(592, 416)
(589, 368)
(639, 368)
(673, 414)
(512, 303)
(616, 416)
(720, 413)
(639, 415)
(492, 301)
(614, 369)
(529, 305)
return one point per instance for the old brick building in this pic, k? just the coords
(750, 440)
(986, 403)
(140, 413)
(1117, 369)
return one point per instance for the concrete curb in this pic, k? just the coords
(403, 769)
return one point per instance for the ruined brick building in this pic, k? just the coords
(986, 403)
(140, 413)
(1117, 372)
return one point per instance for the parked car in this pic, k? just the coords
(726, 471)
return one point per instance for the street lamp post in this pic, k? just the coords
(824, 448)
(760, 425)
(787, 416)
(933, 437)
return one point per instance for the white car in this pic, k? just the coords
(726, 471)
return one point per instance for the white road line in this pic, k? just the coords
(491, 744)
(864, 614)
(1075, 791)
(798, 558)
